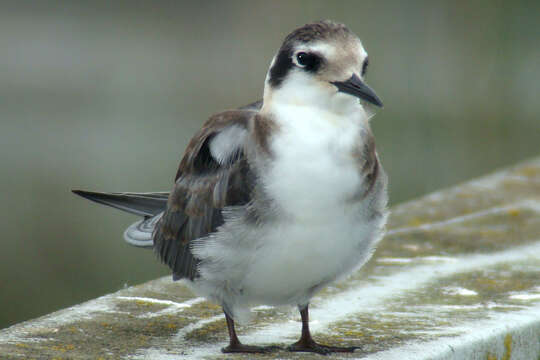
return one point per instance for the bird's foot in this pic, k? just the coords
(311, 346)
(251, 349)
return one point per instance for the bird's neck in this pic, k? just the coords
(342, 110)
(316, 98)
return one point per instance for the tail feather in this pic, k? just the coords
(140, 233)
(148, 205)
(142, 204)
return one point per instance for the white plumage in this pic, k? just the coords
(319, 236)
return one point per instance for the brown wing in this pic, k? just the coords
(367, 162)
(214, 173)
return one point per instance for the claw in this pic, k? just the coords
(312, 346)
(241, 348)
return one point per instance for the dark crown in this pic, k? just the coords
(318, 31)
(321, 30)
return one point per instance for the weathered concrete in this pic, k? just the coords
(457, 277)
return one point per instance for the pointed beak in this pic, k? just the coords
(356, 87)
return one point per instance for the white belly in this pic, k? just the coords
(321, 234)
(295, 260)
(317, 234)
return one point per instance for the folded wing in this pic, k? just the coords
(213, 174)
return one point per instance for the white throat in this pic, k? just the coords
(313, 165)
(303, 93)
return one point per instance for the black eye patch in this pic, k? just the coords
(309, 61)
(281, 67)
(284, 63)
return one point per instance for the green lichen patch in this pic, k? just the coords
(163, 289)
(531, 172)
(107, 335)
(202, 310)
(492, 284)
(508, 187)
(137, 308)
(381, 330)
(217, 330)
(479, 293)
(212, 332)
(507, 355)
(268, 316)
(492, 232)
(498, 283)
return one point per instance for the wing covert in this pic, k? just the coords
(214, 173)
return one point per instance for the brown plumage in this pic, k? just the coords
(203, 187)
(321, 30)
(367, 161)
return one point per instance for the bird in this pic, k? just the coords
(277, 199)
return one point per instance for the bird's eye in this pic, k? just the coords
(302, 58)
(308, 61)
(364, 67)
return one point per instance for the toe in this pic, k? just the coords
(319, 349)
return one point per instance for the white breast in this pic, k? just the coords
(313, 170)
(318, 235)
(322, 236)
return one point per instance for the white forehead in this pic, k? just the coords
(335, 49)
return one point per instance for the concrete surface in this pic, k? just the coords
(456, 277)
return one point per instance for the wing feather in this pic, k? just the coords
(213, 174)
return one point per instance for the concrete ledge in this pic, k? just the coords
(457, 277)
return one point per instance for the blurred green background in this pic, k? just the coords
(105, 96)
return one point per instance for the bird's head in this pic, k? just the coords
(320, 64)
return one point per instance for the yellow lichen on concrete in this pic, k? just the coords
(212, 331)
(514, 212)
(507, 347)
(507, 350)
(203, 309)
(144, 303)
(63, 348)
(529, 171)
(414, 222)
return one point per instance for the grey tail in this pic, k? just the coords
(148, 205)
(142, 204)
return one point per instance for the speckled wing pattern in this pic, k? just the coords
(204, 186)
